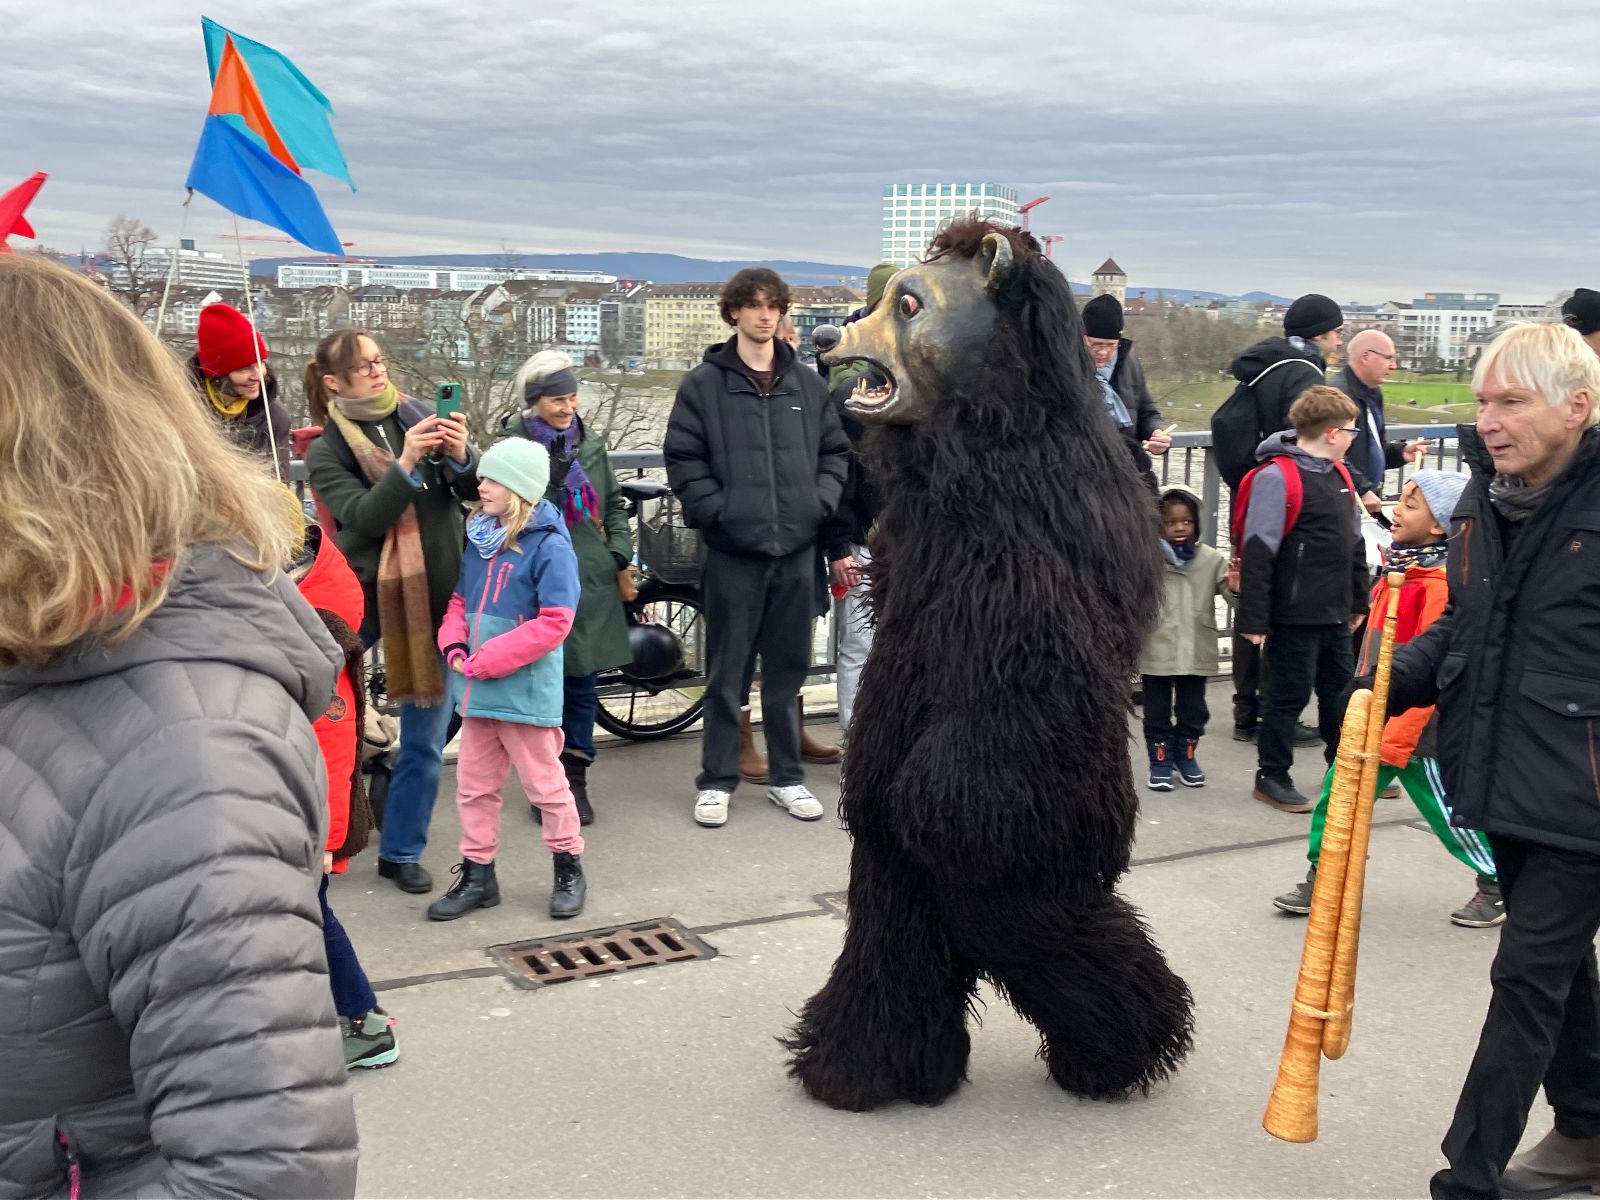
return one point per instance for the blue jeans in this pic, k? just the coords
(414, 783)
(352, 993)
(578, 709)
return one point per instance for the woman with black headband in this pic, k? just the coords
(584, 488)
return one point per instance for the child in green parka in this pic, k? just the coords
(1180, 655)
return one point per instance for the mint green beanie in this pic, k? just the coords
(519, 464)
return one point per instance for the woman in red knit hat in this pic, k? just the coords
(230, 365)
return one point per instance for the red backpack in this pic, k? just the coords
(1293, 496)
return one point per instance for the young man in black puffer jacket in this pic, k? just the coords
(757, 458)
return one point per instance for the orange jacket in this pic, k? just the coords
(1422, 598)
(331, 586)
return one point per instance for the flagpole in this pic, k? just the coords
(261, 369)
(172, 266)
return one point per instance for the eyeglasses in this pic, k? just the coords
(1352, 431)
(370, 367)
(1388, 358)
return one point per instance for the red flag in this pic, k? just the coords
(12, 205)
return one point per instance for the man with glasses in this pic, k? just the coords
(1369, 359)
(1302, 582)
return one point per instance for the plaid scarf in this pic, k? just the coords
(578, 500)
(405, 616)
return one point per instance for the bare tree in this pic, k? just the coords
(479, 354)
(631, 413)
(134, 276)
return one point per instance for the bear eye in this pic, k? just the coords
(910, 306)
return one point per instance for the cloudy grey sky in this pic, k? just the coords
(1367, 149)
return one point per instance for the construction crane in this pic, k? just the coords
(1024, 209)
(1049, 240)
(261, 237)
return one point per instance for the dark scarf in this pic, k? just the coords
(1515, 500)
(1397, 557)
(578, 500)
(1179, 554)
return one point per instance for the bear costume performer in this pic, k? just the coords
(987, 790)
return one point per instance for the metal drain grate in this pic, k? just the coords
(601, 952)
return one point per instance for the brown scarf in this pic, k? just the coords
(405, 616)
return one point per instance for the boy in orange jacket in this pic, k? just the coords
(327, 583)
(1422, 526)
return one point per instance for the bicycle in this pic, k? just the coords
(662, 691)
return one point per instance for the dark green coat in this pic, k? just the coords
(599, 637)
(365, 512)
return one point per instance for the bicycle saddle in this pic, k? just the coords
(637, 490)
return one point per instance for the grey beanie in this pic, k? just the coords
(1442, 490)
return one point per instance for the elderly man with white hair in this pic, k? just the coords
(1514, 667)
(1369, 358)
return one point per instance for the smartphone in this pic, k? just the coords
(449, 399)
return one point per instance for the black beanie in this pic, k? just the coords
(1311, 315)
(1102, 318)
(1582, 312)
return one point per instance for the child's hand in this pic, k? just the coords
(327, 862)
(458, 663)
(1232, 580)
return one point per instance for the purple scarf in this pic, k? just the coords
(578, 499)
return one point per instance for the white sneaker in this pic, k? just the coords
(711, 807)
(797, 800)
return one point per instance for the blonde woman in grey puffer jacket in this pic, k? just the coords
(166, 1027)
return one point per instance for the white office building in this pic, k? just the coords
(407, 276)
(1432, 331)
(913, 213)
(195, 269)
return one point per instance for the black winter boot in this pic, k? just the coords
(566, 898)
(577, 770)
(476, 887)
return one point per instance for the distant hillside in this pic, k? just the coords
(658, 268)
(675, 268)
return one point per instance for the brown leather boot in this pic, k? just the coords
(752, 763)
(812, 750)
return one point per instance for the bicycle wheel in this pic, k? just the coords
(643, 710)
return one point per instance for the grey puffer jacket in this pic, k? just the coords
(164, 1007)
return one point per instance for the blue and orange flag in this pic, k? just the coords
(256, 140)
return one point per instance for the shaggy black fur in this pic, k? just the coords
(987, 787)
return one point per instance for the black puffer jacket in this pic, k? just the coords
(164, 1002)
(1514, 662)
(755, 474)
(1303, 367)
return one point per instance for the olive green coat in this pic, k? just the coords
(599, 637)
(1184, 640)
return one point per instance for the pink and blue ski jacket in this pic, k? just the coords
(509, 615)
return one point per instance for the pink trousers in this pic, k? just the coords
(488, 750)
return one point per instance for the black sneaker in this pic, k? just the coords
(1297, 900)
(1160, 767)
(1244, 733)
(1304, 735)
(1280, 794)
(1485, 910)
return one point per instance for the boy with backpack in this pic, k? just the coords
(1302, 579)
(1271, 374)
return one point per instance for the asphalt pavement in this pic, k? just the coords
(668, 1081)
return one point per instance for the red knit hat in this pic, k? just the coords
(226, 341)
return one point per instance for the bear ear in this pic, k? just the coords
(995, 259)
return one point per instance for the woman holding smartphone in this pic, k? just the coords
(584, 488)
(393, 473)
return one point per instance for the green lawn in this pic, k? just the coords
(1191, 403)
